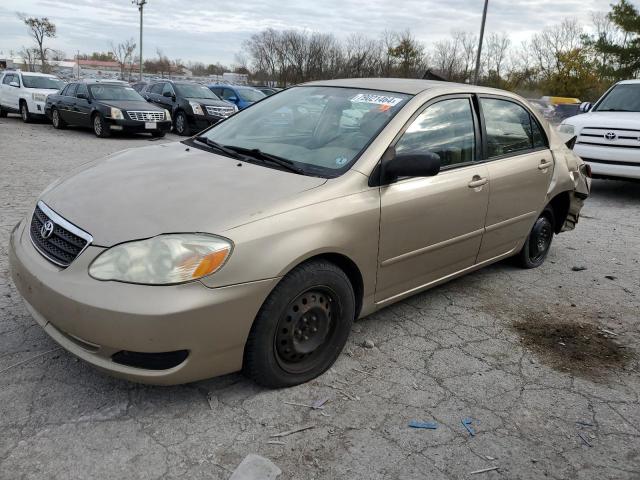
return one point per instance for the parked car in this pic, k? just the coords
(241, 96)
(26, 93)
(268, 91)
(106, 107)
(608, 135)
(543, 107)
(253, 250)
(193, 106)
(565, 110)
(139, 86)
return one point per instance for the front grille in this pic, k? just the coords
(219, 111)
(609, 137)
(65, 242)
(146, 116)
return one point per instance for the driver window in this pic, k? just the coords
(82, 88)
(167, 88)
(445, 128)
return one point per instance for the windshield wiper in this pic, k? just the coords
(260, 155)
(615, 110)
(217, 146)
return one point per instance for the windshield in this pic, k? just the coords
(35, 81)
(622, 98)
(194, 91)
(321, 129)
(250, 94)
(114, 92)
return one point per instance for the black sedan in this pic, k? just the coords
(106, 107)
(193, 106)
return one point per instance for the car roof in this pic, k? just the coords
(34, 74)
(629, 82)
(409, 86)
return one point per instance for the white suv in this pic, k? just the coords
(26, 93)
(608, 136)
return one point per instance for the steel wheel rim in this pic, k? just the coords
(540, 239)
(180, 123)
(24, 112)
(55, 118)
(306, 329)
(97, 126)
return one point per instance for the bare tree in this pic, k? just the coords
(29, 55)
(40, 29)
(123, 54)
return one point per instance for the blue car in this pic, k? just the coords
(241, 96)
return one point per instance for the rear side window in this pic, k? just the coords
(82, 88)
(445, 128)
(510, 128)
(167, 88)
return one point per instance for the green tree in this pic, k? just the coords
(408, 55)
(624, 49)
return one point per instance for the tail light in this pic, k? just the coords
(587, 170)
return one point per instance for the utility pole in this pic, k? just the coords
(78, 63)
(484, 20)
(140, 4)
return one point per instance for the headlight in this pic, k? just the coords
(162, 260)
(197, 109)
(116, 113)
(566, 128)
(167, 115)
(39, 97)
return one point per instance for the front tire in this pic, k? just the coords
(24, 112)
(536, 247)
(181, 125)
(302, 326)
(100, 127)
(3, 113)
(56, 120)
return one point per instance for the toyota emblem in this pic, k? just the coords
(610, 136)
(47, 229)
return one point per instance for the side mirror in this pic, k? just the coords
(411, 164)
(15, 84)
(585, 107)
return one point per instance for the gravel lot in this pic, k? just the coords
(522, 353)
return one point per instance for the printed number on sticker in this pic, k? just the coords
(376, 99)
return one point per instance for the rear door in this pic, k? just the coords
(67, 101)
(4, 86)
(520, 167)
(431, 228)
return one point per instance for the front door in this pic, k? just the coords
(81, 107)
(431, 228)
(520, 168)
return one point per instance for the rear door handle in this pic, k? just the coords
(478, 181)
(544, 164)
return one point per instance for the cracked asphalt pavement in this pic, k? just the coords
(544, 405)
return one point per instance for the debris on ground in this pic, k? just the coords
(578, 269)
(212, 400)
(320, 403)
(368, 344)
(425, 425)
(610, 277)
(490, 469)
(276, 442)
(584, 440)
(290, 432)
(313, 407)
(255, 467)
(467, 424)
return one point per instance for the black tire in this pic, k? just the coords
(3, 113)
(302, 326)
(536, 247)
(181, 124)
(157, 134)
(56, 120)
(100, 127)
(24, 112)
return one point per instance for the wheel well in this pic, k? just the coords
(21, 101)
(560, 205)
(351, 270)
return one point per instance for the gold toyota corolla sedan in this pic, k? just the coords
(256, 244)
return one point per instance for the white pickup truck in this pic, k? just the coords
(26, 93)
(608, 134)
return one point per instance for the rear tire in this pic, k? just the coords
(536, 247)
(302, 326)
(181, 125)
(3, 112)
(56, 120)
(100, 127)
(24, 112)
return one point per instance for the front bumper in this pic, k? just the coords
(94, 320)
(610, 161)
(135, 126)
(36, 108)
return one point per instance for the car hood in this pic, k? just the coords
(44, 91)
(170, 188)
(613, 120)
(210, 101)
(131, 105)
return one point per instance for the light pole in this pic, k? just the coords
(484, 20)
(140, 4)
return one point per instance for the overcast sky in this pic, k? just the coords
(211, 31)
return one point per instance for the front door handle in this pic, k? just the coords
(478, 181)
(544, 164)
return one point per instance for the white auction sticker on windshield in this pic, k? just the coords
(376, 99)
